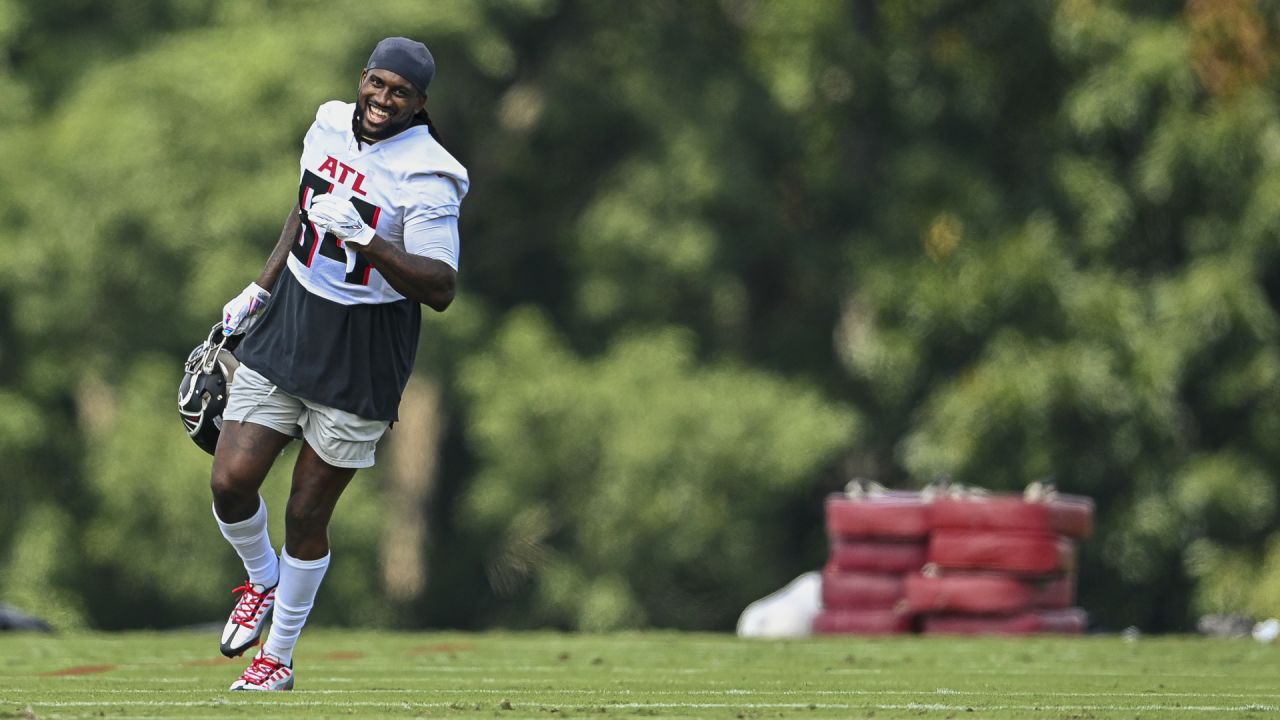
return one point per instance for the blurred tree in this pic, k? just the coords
(1110, 324)
(637, 488)
(716, 255)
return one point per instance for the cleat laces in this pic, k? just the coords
(249, 608)
(260, 670)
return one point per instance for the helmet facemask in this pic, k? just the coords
(205, 386)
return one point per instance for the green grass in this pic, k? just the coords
(543, 675)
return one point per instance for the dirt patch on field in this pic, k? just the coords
(80, 670)
(342, 655)
(441, 648)
(207, 662)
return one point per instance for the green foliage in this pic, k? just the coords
(647, 485)
(151, 533)
(37, 573)
(1016, 240)
(1119, 334)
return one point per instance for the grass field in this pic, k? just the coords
(543, 675)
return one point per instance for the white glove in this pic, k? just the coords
(242, 312)
(341, 218)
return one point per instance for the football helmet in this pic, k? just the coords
(203, 392)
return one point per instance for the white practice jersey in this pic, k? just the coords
(402, 186)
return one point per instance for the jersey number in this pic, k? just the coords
(309, 241)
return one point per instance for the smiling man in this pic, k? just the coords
(331, 329)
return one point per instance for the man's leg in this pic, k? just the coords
(317, 486)
(241, 461)
(336, 444)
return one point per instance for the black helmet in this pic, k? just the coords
(202, 395)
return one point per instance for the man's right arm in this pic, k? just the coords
(242, 311)
(280, 255)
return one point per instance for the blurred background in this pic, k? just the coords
(718, 258)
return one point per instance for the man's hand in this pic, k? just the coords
(242, 312)
(341, 218)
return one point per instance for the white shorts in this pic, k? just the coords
(340, 438)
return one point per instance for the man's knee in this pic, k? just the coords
(237, 472)
(307, 515)
(230, 486)
(235, 495)
(241, 462)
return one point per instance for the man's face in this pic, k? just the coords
(387, 103)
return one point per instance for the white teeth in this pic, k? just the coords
(378, 114)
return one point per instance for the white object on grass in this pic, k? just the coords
(1267, 630)
(789, 612)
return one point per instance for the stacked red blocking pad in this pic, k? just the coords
(1001, 564)
(877, 542)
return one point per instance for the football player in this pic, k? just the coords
(330, 331)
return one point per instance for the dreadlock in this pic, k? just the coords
(422, 117)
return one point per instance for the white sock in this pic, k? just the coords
(299, 581)
(253, 544)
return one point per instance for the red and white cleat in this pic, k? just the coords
(247, 620)
(265, 673)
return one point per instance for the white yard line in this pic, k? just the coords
(939, 707)
(732, 692)
(617, 669)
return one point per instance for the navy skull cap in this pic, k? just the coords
(407, 58)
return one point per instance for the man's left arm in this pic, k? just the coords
(422, 279)
(415, 275)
